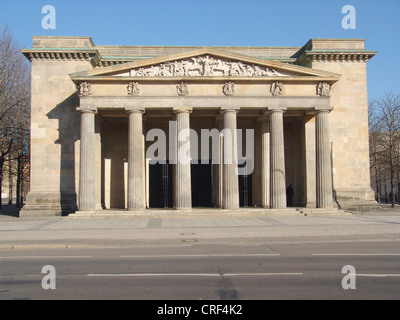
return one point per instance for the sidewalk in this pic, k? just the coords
(69, 232)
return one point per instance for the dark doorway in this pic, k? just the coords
(160, 185)
(201, 175)
(245, 189)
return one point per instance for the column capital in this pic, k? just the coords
(134, 110)
(176, 110)
(276, 109)
(319, 109)
(87, 109)
(229, 109)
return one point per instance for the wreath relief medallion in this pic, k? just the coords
(228, 89)
(133, 89)
(324, 89)
(276, 89)
(182, 89)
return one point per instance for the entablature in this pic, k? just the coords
(162, 103)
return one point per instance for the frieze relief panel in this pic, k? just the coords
(206, 66)
(85, 89)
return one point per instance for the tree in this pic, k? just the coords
(384, 121)
(21, 151)
(14, 94)
(374, 149)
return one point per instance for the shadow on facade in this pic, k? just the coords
(10, 210)
(69, 132)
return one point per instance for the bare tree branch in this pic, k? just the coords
(14, 100)
(384, 130)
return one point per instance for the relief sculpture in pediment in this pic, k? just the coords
(205, 66)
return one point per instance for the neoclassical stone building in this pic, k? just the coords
(97, 111)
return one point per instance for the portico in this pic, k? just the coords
(197, 128)
(225, 183)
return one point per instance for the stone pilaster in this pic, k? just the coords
(87, 167)
(135, 161)
(324, 171)
(183, 188)
(265, 165)
(230, 183)
(278, 183)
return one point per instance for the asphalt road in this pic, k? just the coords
(192, 271)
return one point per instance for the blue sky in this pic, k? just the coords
(220, 23)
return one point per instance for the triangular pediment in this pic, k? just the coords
(205, 63)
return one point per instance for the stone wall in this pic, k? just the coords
(54, 137)
(55, 122)
(348, 122)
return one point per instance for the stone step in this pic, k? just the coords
(324, 212)
(199, 212)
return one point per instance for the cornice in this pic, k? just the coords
(335, 56)
(93, 55)
(83, 54)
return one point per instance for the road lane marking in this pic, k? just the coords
(263, 274)
(376, 275)
(202, 255)
(153, 275)
(215, 275)
(356, 254)
(44, 257)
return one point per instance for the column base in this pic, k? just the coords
(49, 204)
(360, 200)
(189, 209)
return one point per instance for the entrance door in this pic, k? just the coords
(201, 175)
(245, 189)
(160, 185)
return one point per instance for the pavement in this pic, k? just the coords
(213, 228)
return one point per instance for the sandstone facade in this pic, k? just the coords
(93, 108)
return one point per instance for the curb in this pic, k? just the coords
(202, 241)
(54, 246)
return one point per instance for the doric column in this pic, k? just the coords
(183, 187)
(278, 183)
(217, 165)
(265, 163)
(230, 183)
(87, 166)
(324, 178)
(135, 161)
